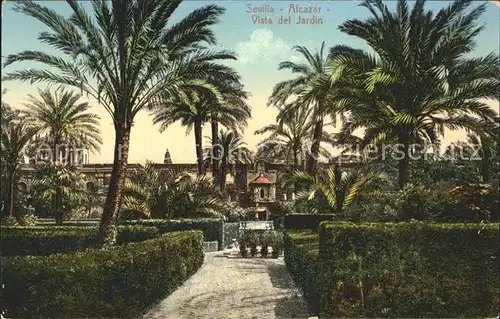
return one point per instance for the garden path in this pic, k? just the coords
(232, 287)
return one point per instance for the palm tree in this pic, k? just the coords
(418, 81)
(93, 195)
(482, 147)
(234, 152)
(224, 105)
(311, 86)
(289, 137)
(64, 180)
(142, 192)
(192, 110)
(66, 125)
(15, 137)
(127, 57)
(234, 113)
(170, 194)
(193, 199)
(333, 190)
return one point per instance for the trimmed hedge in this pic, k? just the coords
(409, 270)
(301, 258)
(212, 228)
(306, 221)
(120, 282)
(22, 241)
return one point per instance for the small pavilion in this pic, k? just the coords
(263, 191)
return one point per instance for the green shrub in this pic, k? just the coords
(444, 203)
(22, 241)
(408, 270)
(212, 228)
(306, 221)
(471, 203)
(120, 282)
(301, 255)
(9, 221)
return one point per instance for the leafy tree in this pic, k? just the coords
(417, 81)
(127, 56)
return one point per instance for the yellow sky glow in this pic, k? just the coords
(148, 143)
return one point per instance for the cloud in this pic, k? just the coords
(264, 45)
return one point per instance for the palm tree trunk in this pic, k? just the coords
(57, 196)
(404, 165)
(223, 173)
(318, 132)
(107, 229)
(11, 194)
(199, 147)
(58, 207)
(339, 203)
(485, 170)
(215, 151)
(296, 186)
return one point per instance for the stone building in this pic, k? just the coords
(260, 181)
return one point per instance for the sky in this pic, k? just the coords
(259, 47)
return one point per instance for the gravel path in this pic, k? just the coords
(234, 288)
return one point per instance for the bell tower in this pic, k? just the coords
(166, 158)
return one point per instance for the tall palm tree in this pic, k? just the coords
(65, 124)
(289, 137)
(233, 152)
(418, 81)
(192, 110)
(311, 86)
(196, 106)
(126, 55)
(15, 137)
(234, 112)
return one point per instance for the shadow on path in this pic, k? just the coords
(235, 288)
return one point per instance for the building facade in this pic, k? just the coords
(259, 182)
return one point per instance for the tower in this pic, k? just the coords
(166, 158)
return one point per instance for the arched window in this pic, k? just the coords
(262, 193)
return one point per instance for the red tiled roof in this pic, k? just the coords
(261, 179)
